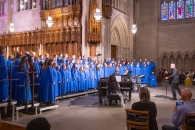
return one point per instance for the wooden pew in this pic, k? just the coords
(4, 125)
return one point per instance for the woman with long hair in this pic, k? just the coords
(24, 79)
(146, 105)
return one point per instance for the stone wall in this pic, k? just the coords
(155, 39)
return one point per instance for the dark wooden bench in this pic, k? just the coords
(112, 97)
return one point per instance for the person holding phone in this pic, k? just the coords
(179, 112)
(175, 81)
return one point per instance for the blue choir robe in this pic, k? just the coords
(121, 70)
(113, 69)
(68, 81)
(42, 85)
(15, 82)
(149, 68)
(153, 82)
(3, 76)
(102, 72)
(59, 79)
(141, 65)
(87, 77)
(81, 80)
(146, 73)
(152, 65)
(137, 71)
(128, 67)
(56, 82)
(65, 60)
(58, 60)
(24, 79)
(92, 78)
(74, 84)
(106, 72)
(49, 79)
(83, 61)
(37, 79)
(98, 76)
(135, 64)
(132, 72)
(63, 89)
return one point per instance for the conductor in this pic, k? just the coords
(174, 82)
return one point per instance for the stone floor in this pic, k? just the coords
(86, 116)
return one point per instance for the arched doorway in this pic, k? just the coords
(119, 39)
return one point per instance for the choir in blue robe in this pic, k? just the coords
(106, 72)
(87, 79)
(81, 80)
(74, 84)
(153, 82)
(3, 76)
(98, 76)
(92, 78)
(68, 80)
(59, 79)
(56, 82)
(24, 79)
(49, 92)
(63, 89)
(146, 73)
(37, 77)
(102, 72)
(15, 82)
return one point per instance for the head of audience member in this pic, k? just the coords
(186, 94)
(2, 51)
(172, 66)
(39, 123)
(144, 95)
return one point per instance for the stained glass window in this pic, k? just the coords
(189, 10)
(180, 9)
(164, 11)
(171, 10)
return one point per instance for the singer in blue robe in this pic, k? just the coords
(146, 73)
(102, 72)
(98, 76)
(24, 79)
(59, 79)
(92, 77)
(55, 73)
(63, 89)
(87, 78)
(68, 77)
(81, 80)
(3, 76)
(37, 73)
(49, 92)
(15, 76)
(74, 84)
(153, 82)
(152, 65)
(128, 67)
(106, 71)
(121, 70)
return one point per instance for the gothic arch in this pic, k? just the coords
(119, 37)
(163, 54)
(120, 25)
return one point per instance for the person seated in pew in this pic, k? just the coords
(39, 123)
(179, 113)
(146, 105)
(114, 89)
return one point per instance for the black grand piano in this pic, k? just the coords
(125, 85)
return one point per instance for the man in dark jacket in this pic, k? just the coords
(175, 81)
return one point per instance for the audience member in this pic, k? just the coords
(146, 105)
(39, 123)
(178, 113)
